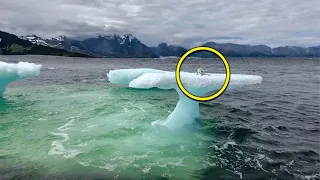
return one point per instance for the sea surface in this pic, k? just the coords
(71, 123)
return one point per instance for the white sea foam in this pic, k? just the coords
(57, 147)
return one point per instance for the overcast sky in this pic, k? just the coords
(182, 22)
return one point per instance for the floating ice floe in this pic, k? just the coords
(12, 72)
(186, 110)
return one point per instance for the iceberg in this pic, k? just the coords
(12, 72)
(125, 76)
(187, 109)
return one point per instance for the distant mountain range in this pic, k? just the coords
(237, 50)
(128, 46)
(13, 45)
(102, 46)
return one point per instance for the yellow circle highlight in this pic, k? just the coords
(226, 82)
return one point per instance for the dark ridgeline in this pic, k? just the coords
(164, 50)
(13, 45)
(115, 46)
(237, 50)
(128, 46)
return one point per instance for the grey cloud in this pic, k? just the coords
(188, 23)
(200, 26)
(226, 37)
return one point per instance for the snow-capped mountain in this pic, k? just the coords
(10, 44)
(51, 42)
(105, 46)
(35, 40)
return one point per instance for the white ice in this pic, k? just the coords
(125, 76)
(186, 110)
(12, 72)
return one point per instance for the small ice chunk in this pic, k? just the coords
(12, 72)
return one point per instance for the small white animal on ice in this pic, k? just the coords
(200, 72)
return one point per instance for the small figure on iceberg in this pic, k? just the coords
(200, 72)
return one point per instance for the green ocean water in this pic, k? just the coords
(99, 129)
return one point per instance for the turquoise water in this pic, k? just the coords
(98, 128)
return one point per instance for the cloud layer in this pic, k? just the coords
(181, 22)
